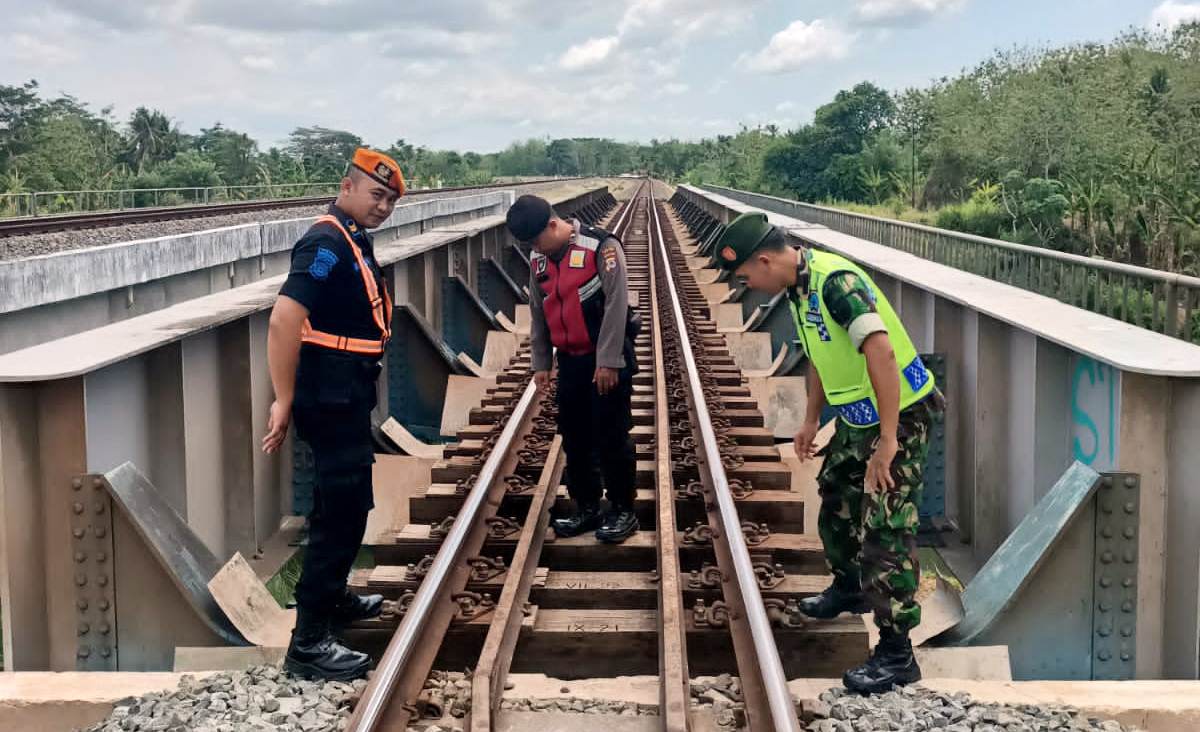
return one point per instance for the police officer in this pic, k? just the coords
(328, 330)
(863, 364)
(579, 303)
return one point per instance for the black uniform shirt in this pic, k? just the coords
(324, 278)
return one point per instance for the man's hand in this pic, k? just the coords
(541, 379)
(804, 439)
(277, 426)
(879, 467)
(605, 379)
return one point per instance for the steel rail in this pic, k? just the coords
(378, 695)
(373, 704)
(626, 216)
(782, 708)
(487, 683)
(674, 680)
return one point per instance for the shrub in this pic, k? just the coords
(977, 216)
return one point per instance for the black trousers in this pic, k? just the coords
(338, 430)
(595, 432)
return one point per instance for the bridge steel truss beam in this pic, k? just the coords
(182, 395)
(1036, 384)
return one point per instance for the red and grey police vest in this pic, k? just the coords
(574, 299)
(381, 307)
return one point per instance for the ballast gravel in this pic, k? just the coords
(33, 245)
(915, 709)
(259, 699)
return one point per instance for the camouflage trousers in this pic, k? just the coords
(869, 536)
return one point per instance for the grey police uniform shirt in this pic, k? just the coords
(610, 348)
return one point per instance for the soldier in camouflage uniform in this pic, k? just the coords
(863, 364)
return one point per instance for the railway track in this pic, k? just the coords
(708, 586)
(96, 219)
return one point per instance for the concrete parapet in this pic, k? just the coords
(55, 295)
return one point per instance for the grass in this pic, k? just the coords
(887, 211)
(282, 585)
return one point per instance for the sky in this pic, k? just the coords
(478, 75)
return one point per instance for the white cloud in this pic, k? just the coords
(785, 107)
(1171, 14)
(648, 22)
(588, 54)
(903, 12)
(798, 45)
(423, 69)
(425, 42)
(29, 48)
(258, 63)
(675, 88)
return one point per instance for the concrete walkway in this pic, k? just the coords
(50, 702)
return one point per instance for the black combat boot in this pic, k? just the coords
(843, 596)
(586, 518)
(315, 654)
(891, 665)
(619, 524)
(356, 607)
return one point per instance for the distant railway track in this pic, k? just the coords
(705, 588)
(98, 219)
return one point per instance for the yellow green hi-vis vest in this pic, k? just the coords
(841, 366)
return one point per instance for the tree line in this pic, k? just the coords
(1092, 149)
(1089, 148)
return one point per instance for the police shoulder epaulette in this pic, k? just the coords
(595, 232)
(587, 241)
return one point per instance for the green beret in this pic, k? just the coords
(741, 238)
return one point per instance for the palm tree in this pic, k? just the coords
(150, 137)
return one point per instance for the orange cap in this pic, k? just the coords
(380, 167)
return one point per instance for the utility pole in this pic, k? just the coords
(912, 185)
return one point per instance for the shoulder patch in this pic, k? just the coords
(539, 263)
(610, 258)
(322, 264)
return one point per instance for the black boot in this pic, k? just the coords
(619, 524)
(891, 665)
(586, 518)
(356, 607)
(843, 596)
(315, 654)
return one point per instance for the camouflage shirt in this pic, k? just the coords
(849, 299)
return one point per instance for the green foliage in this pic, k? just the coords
(1036, 208)
(1092, 148)
(21, 112)
(189, 169)
(323, 152)
(152, 139)
(977, 216)
(829, 158)
(1096, 148)
(234, 155)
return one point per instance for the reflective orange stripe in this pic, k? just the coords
(381, 307)
(341, 343)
